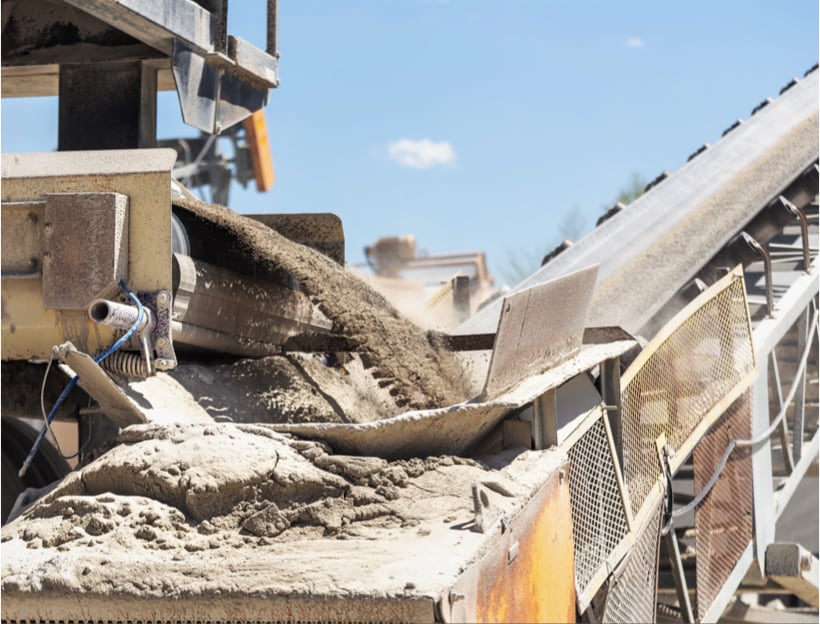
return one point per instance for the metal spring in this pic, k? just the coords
(669, 610)
(128, 364)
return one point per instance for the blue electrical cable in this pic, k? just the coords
(71, 384)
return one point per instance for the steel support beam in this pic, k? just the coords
(156, 23)
(678, 573)
(764, 518)
(99, 106)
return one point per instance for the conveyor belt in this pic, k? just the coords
(663, 239)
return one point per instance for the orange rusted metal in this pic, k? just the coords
(528, 576)
(261, 159)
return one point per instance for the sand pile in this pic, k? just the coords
(298, 388)
(195, 487)
(395, 351)
(184, 489)
(236, 522)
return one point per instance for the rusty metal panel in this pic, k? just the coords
(539, 328)
(86, 248)
(633, 589)
(527, 575)
(683, 380)
(723, 520)
(599, 512)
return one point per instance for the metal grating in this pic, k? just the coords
(704, 355)
(634, 587)
(723, 520)
(599, 523)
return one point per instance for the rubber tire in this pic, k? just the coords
(48, 465)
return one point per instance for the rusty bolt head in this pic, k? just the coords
(805, 562)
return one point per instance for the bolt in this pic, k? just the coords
(161, 343)
(805, 562)
(162, 298)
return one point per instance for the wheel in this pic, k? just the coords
(48, 465)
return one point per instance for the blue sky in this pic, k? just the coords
(486, 125)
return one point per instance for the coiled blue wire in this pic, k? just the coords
(71, 384)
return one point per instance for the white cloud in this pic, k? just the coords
(421, 154)
(634, 42)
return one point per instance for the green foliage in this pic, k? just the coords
(631, 191)
(522, 263)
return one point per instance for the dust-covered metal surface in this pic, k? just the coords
(99, 385)
(22, 239)
(454, 429)
(240, 307)
(539, 328)
(683, 380)
(85, 248)
(30, 329)
(723, 520)
(633, 588)
(128, 48)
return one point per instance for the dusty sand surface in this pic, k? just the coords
(396, 352)
(175, 511)
(297, 388)
(179, 486)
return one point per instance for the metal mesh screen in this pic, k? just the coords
(634, 585)
(696, 365)
(723, 520)
(598, 511)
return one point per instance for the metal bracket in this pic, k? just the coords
(804, 228)
(161, 302)
(213, 96)
(796, 569)
(94, 380)
(767, 268)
